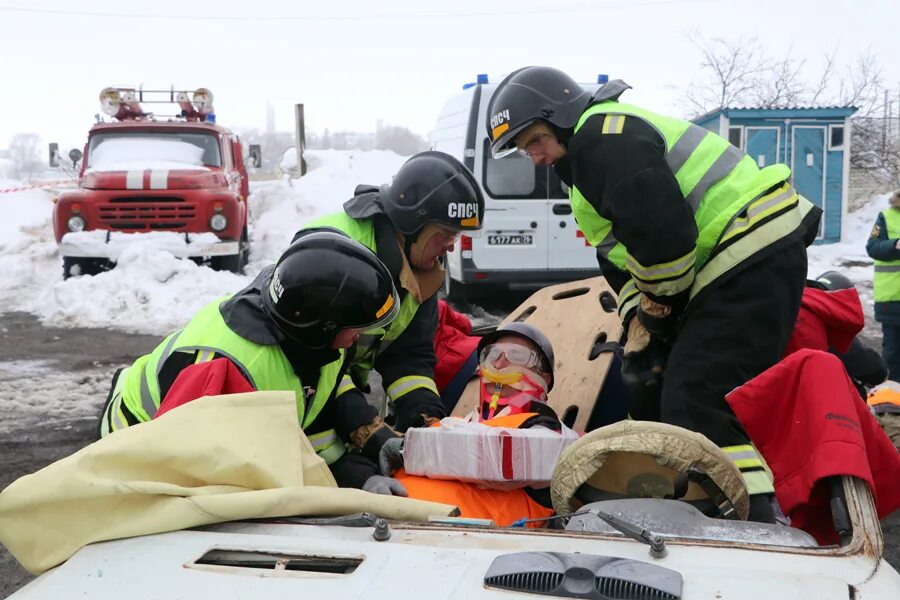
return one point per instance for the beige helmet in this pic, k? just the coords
(642, 459)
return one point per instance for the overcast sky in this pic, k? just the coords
(353, 61)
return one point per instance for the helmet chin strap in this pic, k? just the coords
(531, 387)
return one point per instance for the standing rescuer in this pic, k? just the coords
(288, 330)
(706, 250)
(410, 224)
(884, 247)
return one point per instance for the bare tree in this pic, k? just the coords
(399, 139)
(780, 82)
(25, 153)
(735, 73)
(729, 72)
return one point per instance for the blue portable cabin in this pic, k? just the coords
(813, 141)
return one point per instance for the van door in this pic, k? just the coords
(567, 248)
(515, 221)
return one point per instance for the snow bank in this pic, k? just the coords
(279, 209)
(150, 291)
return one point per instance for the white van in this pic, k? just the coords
(530, 238)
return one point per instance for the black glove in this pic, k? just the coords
(658, 319)
(388, 486)
(647, 367)
(644, 358)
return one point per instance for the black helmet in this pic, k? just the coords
(325, 282)
(832, 280)
(433, 187)
(528, 332)
(530, 94)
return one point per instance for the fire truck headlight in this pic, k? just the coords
(75, 223)
(218, 222)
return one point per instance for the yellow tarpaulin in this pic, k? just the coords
(215, 459)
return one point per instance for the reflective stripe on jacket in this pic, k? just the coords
(265, 368)
(739, 209)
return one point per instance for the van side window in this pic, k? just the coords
(510, 177)
(516, 177)
(557, 189)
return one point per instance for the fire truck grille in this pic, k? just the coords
(147, 214)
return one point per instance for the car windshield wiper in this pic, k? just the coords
(656, 543)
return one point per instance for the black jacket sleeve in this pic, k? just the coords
(352, 470)
(864, 364)
(412, 355)
(625, 178)
(879, 246)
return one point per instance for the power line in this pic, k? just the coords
(349, 17)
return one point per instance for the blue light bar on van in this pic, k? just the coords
(480, 78)
(602, 78)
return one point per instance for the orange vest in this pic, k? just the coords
(502, 506)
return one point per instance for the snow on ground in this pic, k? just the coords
(150, 291)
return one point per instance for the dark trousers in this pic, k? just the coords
(731, 332)
(890, 349)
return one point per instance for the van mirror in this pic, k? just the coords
(255, 153)
(54, 154)
(75, 155)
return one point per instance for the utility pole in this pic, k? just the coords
(884, 127)
(300, 136)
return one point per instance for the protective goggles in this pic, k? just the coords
(531, 144)
(515, 355)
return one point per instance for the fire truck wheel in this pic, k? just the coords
(73, 267)
(234, 263)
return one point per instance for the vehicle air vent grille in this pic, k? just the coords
(271, 561)
(145, 214)
(618, 589)
(575, 575)
(527, 582)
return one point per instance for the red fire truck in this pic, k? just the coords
(178, 177)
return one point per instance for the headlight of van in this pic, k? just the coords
(75, 223)
(218, 222)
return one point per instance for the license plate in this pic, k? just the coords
(510, 239)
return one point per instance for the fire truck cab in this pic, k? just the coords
(179, 180)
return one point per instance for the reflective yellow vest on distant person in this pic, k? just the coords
(887, 272)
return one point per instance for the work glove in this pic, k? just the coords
(390, 457)
(644, 357)
(388, 486)
(658, 319)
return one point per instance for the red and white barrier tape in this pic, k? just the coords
(36, 186)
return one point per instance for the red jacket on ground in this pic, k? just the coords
(452, 344)
(827, 321)
(211, 378)
(805, 417)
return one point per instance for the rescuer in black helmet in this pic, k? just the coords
(410, 223)
(288, 330)
(697, 240)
